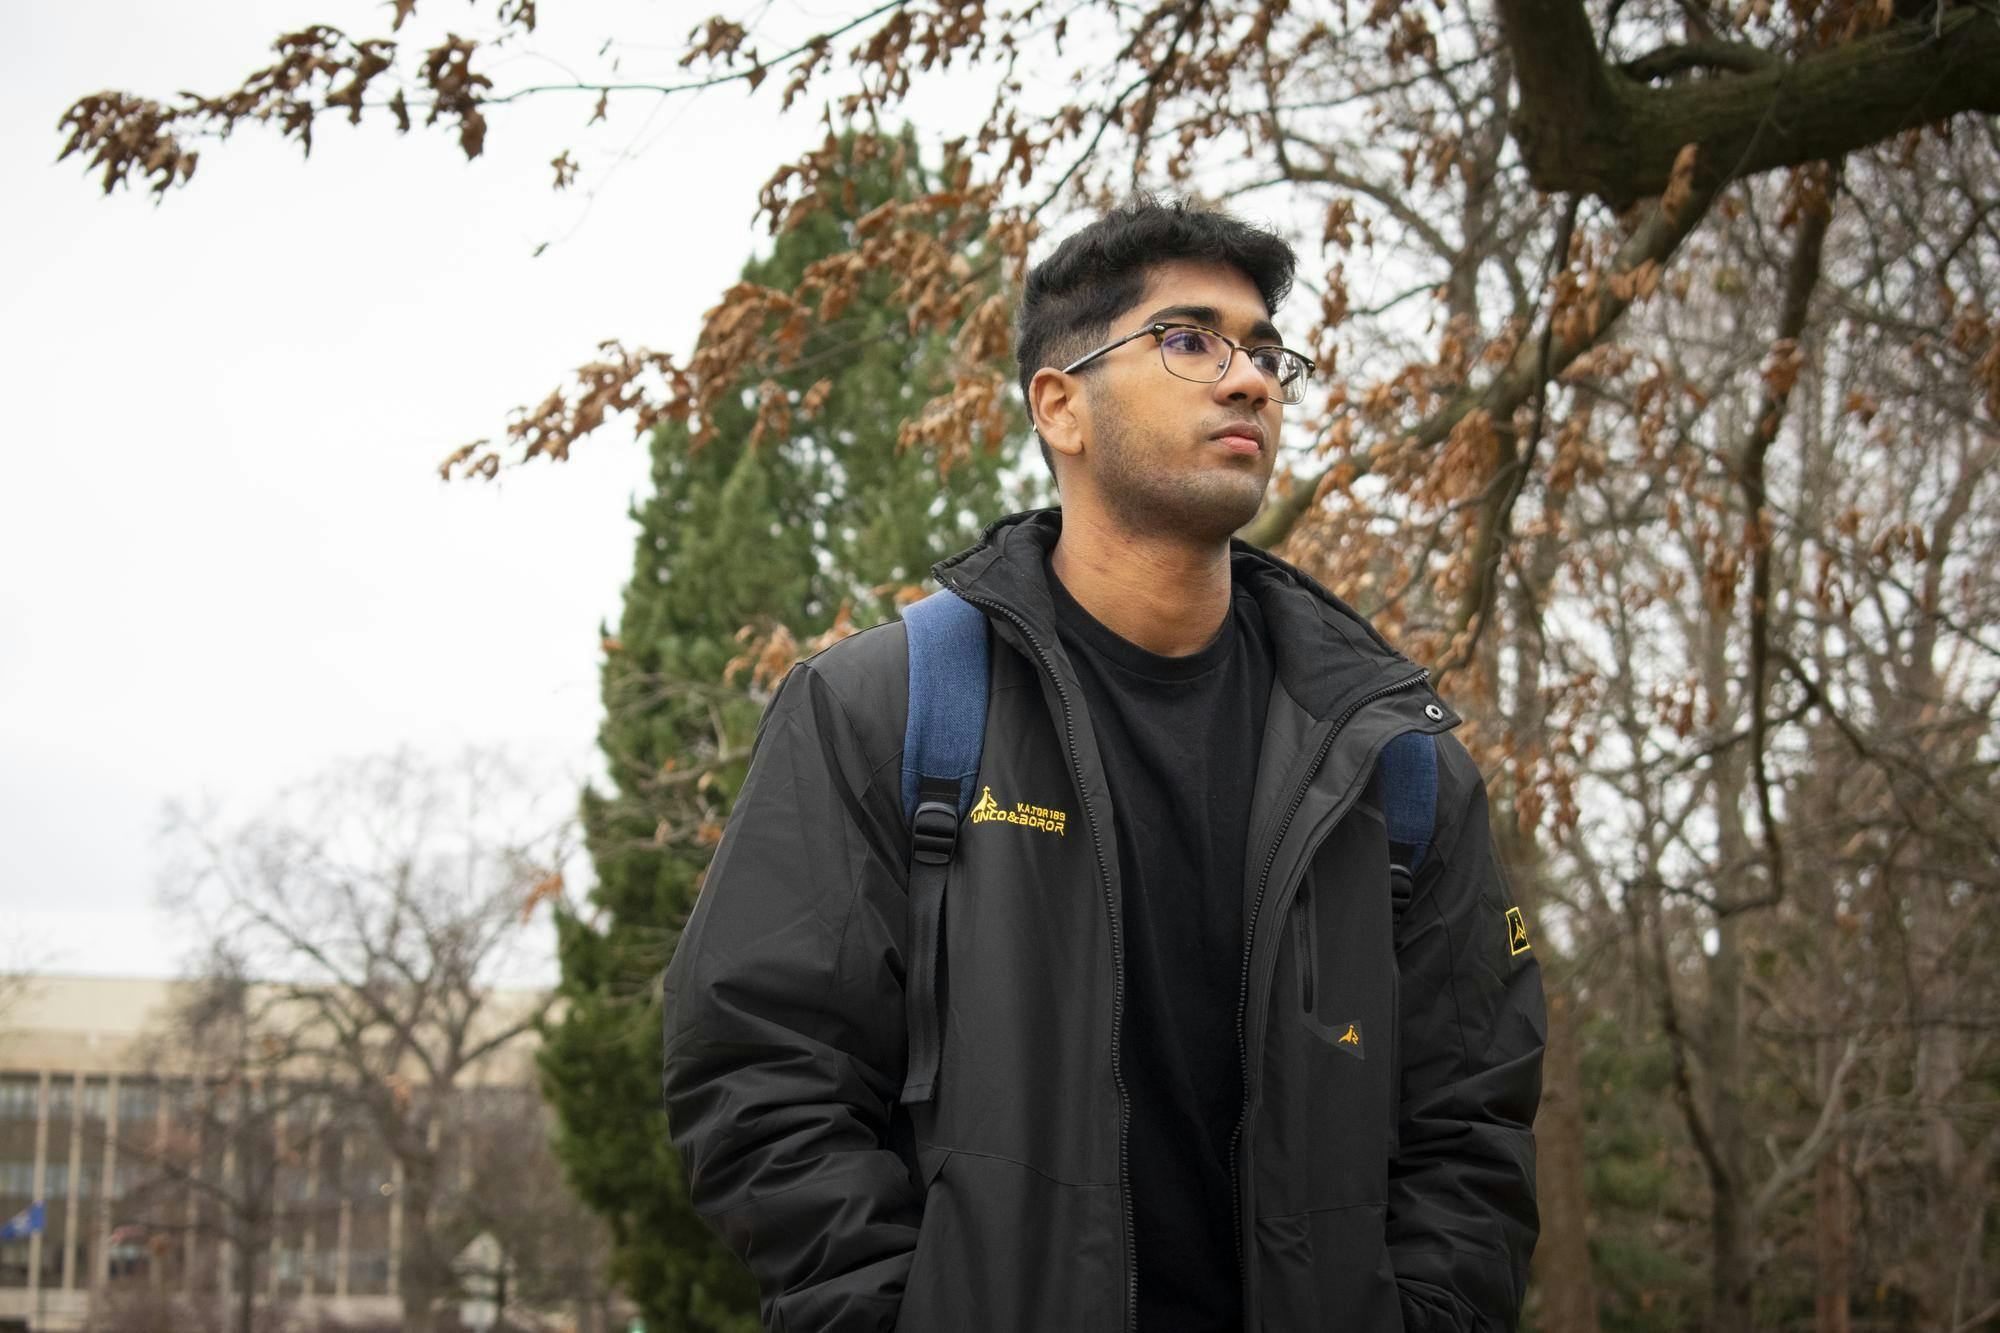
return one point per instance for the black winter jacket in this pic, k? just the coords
(1384, 1161)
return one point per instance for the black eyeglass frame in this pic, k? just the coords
(1159, 330)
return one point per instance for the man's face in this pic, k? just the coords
(1166, 454)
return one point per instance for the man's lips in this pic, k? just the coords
(1240, 437)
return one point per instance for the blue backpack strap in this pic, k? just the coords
(942, 740)
(1407, 778)
(946, 729)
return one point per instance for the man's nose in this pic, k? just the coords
(1241, 380)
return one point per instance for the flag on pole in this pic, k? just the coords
(23, 1224)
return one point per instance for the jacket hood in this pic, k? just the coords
(1327, 656)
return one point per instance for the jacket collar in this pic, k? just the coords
(1326, 655)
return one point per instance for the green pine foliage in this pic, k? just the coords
(832, 512)
(1643, 1184)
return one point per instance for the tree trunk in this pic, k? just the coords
(1731, 1288)
(423, 1285)
(1568, 1300)
(1562, 1259)
(246, 1285)
(1830, 1245)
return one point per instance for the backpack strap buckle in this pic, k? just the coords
(934, 832)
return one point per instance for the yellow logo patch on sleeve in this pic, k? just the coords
(1517, 933)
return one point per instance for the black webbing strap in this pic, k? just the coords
(934, 833)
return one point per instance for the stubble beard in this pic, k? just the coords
(1199, 504)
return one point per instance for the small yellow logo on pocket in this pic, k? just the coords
(1517, 932)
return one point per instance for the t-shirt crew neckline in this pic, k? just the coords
(1128, 656)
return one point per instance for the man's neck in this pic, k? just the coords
(1169, 597)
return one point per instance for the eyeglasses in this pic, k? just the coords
(1203, 355)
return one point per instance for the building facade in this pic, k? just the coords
(159, 1184)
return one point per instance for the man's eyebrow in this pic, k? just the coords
(1261, 332)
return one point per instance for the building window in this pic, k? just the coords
(17, 1180)
(138, 1103)
(18, 1097)
(368, 1272)
(129, 1255)
(372, 1184)
(13, 1263)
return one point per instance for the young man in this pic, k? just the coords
(1205, 1065)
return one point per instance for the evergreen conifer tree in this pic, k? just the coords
(825, 513)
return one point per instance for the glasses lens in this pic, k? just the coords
(1194, 354)
(1290, 375)
(1202, 356)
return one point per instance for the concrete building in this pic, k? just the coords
(91, 1103)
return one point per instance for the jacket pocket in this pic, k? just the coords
(930, 1161)
(1002, 1248)
(1326, 1268)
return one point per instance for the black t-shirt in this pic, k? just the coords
(1179, 738)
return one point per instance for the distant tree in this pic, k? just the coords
(806, 526)
(554, 1251)
(17, 983)
(214, 1171)
(377, 906)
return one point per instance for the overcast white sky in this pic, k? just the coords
(225, 555)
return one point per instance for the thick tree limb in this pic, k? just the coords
(1737, 57)
(1588, 128)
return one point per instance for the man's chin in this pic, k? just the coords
(1235, 499)
(1210, 508)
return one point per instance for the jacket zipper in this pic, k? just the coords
(1117, 958)
(1250, 936)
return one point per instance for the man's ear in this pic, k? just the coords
(1055, 401)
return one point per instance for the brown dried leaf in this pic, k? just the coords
(551, 886)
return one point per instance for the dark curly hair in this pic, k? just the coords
(1072, 296)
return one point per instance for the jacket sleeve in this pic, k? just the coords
(784, 1025)
(1461, 1220)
